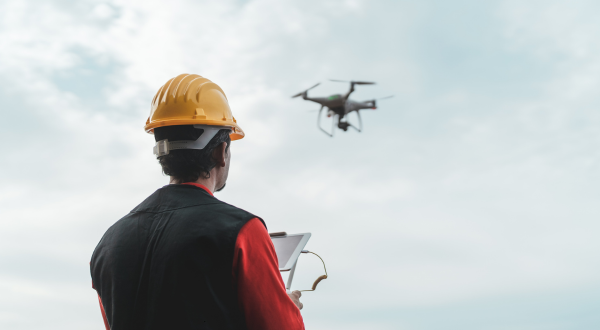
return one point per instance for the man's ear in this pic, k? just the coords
(220, 153)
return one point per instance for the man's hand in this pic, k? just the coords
(295, 296)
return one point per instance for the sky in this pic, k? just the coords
(468, 201)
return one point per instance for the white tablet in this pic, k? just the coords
(288, 247)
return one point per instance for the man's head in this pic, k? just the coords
(190, 165)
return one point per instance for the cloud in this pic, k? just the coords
(474, 186)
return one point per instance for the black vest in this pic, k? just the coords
(168, 263)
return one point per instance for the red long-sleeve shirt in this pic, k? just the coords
(261, 291)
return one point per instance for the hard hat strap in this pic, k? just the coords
(163, 147)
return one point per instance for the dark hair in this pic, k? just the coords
(188, 165)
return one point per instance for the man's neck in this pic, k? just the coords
(209, 183)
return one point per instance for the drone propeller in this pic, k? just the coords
(299, 94)
(386, 97)
(354, 82)
(381, 98)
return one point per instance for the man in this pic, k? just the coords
(183, 259)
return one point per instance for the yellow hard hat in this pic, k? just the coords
(190, 99)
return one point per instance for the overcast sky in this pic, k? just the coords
(469, 201)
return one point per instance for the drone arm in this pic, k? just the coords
(350, 91)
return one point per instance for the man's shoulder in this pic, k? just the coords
(172, 197)
(186, 198)
(190, 206)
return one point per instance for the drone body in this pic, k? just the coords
(340, 105)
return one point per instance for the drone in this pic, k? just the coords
(341, 106)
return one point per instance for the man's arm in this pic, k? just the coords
(101, 308)
(103, 314)
(261, 292)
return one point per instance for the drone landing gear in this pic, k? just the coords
(343, 125)
(319, 123)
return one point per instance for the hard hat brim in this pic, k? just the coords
(236, 131)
